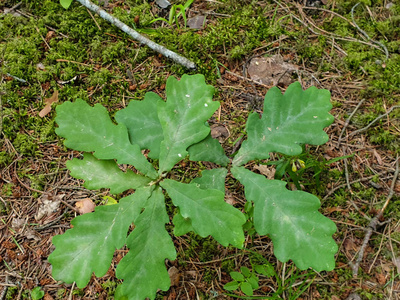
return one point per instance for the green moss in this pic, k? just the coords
(5, 158)
(99, 78)
(228, 265)
(7, 189)
(109, 286)
(25, 145)
(385, 138)
(47, 132)
(12, 292)
(209, 275)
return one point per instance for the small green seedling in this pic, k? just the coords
(294, 167)
(66, 3)
(245, 280)
(169, 132)
(37, 293)
(176, 11)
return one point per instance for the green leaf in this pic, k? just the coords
(143, 268)
(246, 288)
(37, 293)
(65, 3)
(289, 120)
(89, 246)
(105, 174)
(89, 129)
(245, 271)
(291, 218)
(189, 105)
(141, 119)
(266, 270)
(237, 276)
(212, 179)
(208, 212)
(210, 150)
(182, 225)
(231, 286)
(253, 280)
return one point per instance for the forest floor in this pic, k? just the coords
(52, 55)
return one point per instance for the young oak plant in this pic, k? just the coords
(172, 130)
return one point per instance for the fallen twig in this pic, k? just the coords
(1, 101)
(344, 149)
(329, 11)
(348, 120)
(385, 50)
(354, 181)
(374, 121)
(135, 35)
(374, 223)
(322, 32)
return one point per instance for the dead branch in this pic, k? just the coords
(327, 34)
(135, 35)
(374, 121)
(374, 223)
(344, 149)
(348, 121)
(385, 50)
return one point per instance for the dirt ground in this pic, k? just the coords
(319, 45)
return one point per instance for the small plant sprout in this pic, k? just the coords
(37, 293)
(175, 12)
(245, 280)
(171, 131)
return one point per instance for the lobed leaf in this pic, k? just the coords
(210, 150)
(291, 218)
(105, 174)
(208, 212)
(289, 120)
(90, 129)
(182, 225)
(210, 179)
(189, 105)
(141, 119)
(143, 268)
(89, 246)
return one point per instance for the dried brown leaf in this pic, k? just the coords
(271, 70)
(380, 278)
(265, 170)
(48, 102)
(46, 208)
(85, 206)
(396, 262)
(219, 132)
(174, 275)
(378, 157)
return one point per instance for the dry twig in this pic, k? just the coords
(374, 121)
(385, 50)
(135, 35)
(374, 223)
(344, 149)
(322, 32)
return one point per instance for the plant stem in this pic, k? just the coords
(140, 38)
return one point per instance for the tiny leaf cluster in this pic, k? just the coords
(170, 131)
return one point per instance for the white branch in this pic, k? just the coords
(138, 37)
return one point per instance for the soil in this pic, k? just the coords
(49, 55)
